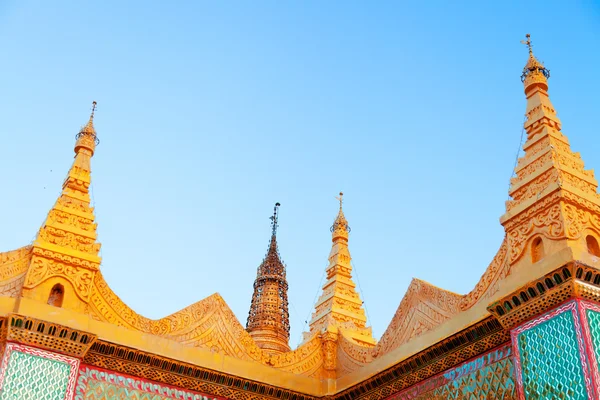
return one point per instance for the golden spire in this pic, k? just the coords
(65, 249)
(340, 306)
(550, 186)
(268, 319)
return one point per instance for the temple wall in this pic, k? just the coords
(492, 372)
(556, 353)
(552, 355)
(98, 384)
(30, 373)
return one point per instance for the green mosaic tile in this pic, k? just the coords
(488, 376)
(594, 323)
(104, 390)
(550, 360)
(32, 377)
(93, 384)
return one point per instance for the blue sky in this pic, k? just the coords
(210, 112)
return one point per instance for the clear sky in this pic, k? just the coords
(210, 112)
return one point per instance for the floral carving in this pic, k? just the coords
(13, 268)
(535, 187)
(42, 269)
(70, 240)
(548, 223)
(422, 308)
(74, 204)
(65, 218)
(13, 263)
(65, 258)
(532, 167)
(208, 323)
(497, 269)
(329, 350)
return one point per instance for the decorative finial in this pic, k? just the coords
(340, 220)
(534, 73)
(528, 42)
(273, 218)
(86, 138)
(93, 110)
(341, 199)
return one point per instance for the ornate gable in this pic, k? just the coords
(422, 308)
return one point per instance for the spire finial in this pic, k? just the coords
(341, 199)
(534, 74)
(273, 218)
(340, 224)
(528, 42)
(86, 138)
(93, 110)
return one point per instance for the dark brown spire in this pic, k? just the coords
(268, 319)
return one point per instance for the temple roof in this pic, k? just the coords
(553, 210)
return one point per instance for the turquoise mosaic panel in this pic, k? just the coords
(551, 361)
(97, 384)
(594, 323)
(491, 375)
(32, 377)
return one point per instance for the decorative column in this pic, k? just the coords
(329, 342)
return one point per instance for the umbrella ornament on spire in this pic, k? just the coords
(86, 138)
(534, 71)
(340, 224)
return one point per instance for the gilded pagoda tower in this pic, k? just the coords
(65, 252)
(268, 320)
(340, 306)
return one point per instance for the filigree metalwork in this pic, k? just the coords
(268, 319)
(533, 66)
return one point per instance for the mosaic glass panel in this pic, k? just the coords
(488, 376)
(550, 359)
(594, 326)
(96, 384)
(29, 376)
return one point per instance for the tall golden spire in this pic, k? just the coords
(65, 250)
(268, 319)
(552, 195)
(340, 306)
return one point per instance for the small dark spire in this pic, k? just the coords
(268, 319)
(273, 219)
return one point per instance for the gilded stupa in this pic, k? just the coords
(269, 319)
(529, 329)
